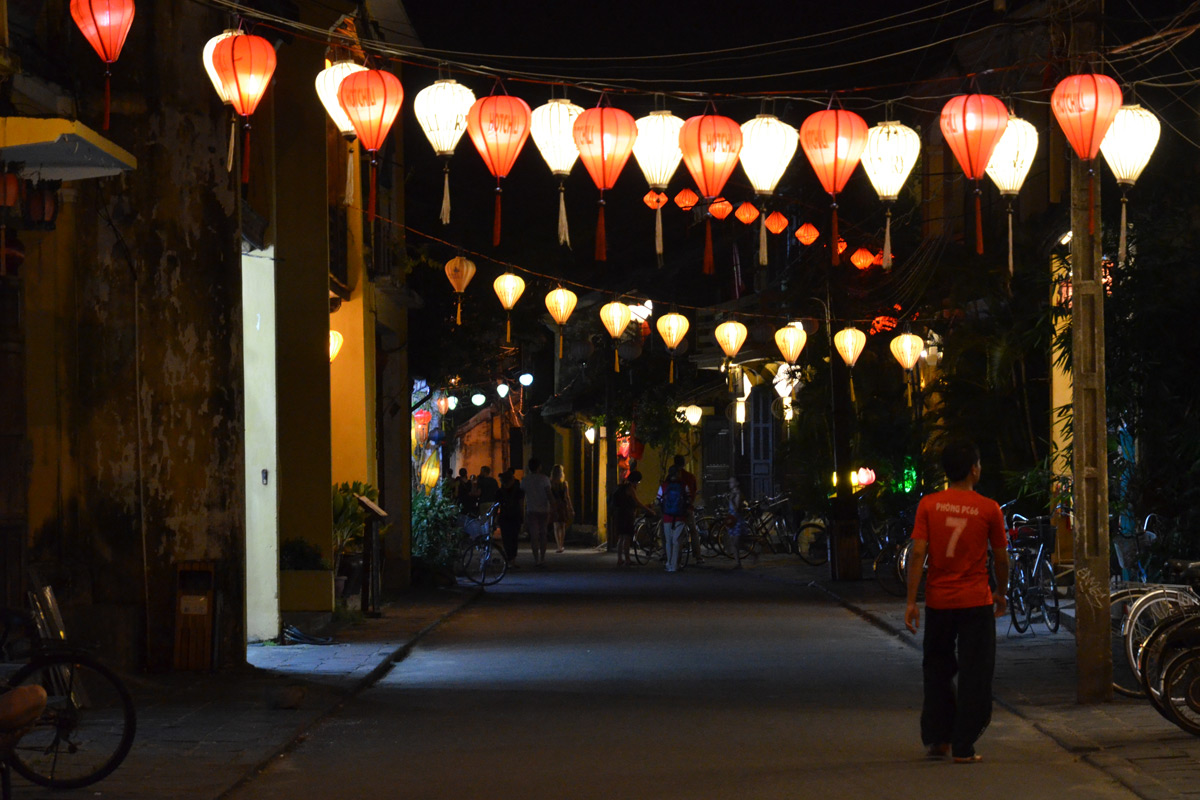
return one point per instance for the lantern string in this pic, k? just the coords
(445, 215)
(887, 239)
(1124, 226)
(601, 245)
(564, 232)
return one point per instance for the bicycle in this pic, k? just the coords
(1133, 551)
(1031, 584)
(649, 545)
(811, 541)
(481, 559)
(89, 722)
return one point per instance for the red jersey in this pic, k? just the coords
(958, 525)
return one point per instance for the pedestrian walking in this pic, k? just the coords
(486, 489)
(954, 528)
(512, 512)
(538, 503)
(673, 499)
(737, 517)
(562, 513)
(689, 481)
(625, 508)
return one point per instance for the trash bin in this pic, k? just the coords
(194, 612)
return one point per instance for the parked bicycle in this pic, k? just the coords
(480, 557)
(1031, 583)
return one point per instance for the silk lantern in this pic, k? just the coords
(657, 152)
(849, 343)
(207, 59)
(710, 144)
(560, 303)
(655, 200)
(335, 345)
(508, 288)
(498, 126)
(605, 137)
(460, 271)
(833, 141)
(907, 349)
(891, 152)
(327, 83)
(720, 208)
(768, 146)
(790, 340)
(105, 24)
(862, 258)
(244, 65)
(686, 199)
(973, 125)
(1010, 163)
(730, 336)
(672, 328)
(746, 213)
(776, 222)
(615, 316)
(441, 111)
(551, 126)
(807, 233)
(371, 99)
(1085, 106)
(1127, 148)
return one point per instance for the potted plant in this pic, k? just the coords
(349, 524)
(435, 533)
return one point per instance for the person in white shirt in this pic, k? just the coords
(538, 505)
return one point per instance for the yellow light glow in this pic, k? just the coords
(590, 435)
(335, 344)
(739, 412)
(849, 343)
(730, 335)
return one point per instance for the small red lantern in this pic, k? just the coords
(833, 141)
(498, 126)
(655, 200)
(807, 233)
(443, 404)
(105, 24)
(1085, 106)
(244, 65)
(746, 213)
(841, 246)
(686, 199)
(710, 144)
(776, 222)
(371, 99)
(421, 425)
(878, 259)
(862, 258)
(605, 137)
(721, 208)
(972, 125)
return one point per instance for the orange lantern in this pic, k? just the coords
(509, 288)
(459, 271)
(560, 303)
(807, 233)
(655, 200)
(776, 222)
(841, 246)
(833, 141)
(973, 125)
(746, 213)
(720, 208)
(710, 144)
(371, 99)
(105, 24)
(672, 328)
(498, 126)
(615, 316)
(686, 199)
(604, 136)
(862, 258)
(244, 65)
(1085, 106)
(421, 425)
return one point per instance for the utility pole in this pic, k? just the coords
(1093, 645)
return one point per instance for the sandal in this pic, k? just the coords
(975, 759)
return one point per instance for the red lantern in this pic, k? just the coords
(421, 427)
(972, 125)
(862, 258)
(655, 200)
(10, 189)
(720, 208)
(841, 246)
(710, 146)
(498, 126)
(1085, 106)
(833, 141)
(244, 65)
(807, 233)
(105, 24)
(686, 199)
(371, 99)
(776, 222)
(604, 136)
(746, 213)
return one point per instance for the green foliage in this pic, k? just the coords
(349, 518)
(435, 528)
(296, 554)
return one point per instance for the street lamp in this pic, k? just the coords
(525, 379)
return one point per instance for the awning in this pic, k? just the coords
(60, 150)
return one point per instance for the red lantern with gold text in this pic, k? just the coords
(862, 258)
(833, 140)
(686, 199)
(746, 213)
(720, 208)
(807, 233)
(710, 145)
(1085, 106)
(244, 65)
(498, 126)
(605, 137)
(105, 24)
(973, 125)
(371, 99)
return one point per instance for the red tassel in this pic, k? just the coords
(458, 314)
(496, 221)
(616, 360)
(672, 372)
(107, 98)
(1091, 203)
(708, 255)
(560, 343)
(833, 239)
(246, 154)
(978, 223)
(601, 249)
(371, 200)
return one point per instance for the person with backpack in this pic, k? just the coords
(674, 500)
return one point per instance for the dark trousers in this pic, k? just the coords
(510, 530)
(962, 641)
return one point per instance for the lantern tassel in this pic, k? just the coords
(1121, 246)
(458, 312)
(496, 221)
(107, 95)
(708, 250)
(232, 140)
(601, 249)
(762, 240)
(371, 201)
(833, 238)
(560, 342)
(1091, 203)
(853, 399)
(1010, 242)
(671, 372)
(445, 216)
(908, 391)
(246, 154)
(978, 220)
(887, 240)
(350, 172)
(564, 232)
(508, 329)
(616, 360)
(658, 235)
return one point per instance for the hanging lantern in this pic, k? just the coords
(710, 146)
(807, 233)
(443, 405)
(244, 65)
(1085, 106)
(441, 111)
(1127, 148)
(1010, 163)
(790, 340)
(371, 99)
(672, 328)
(656, 149)
(720, 208)
(105, 24)
(207, 59)
(849, 343)
(605, 137)
(692, 414)
(891, 151)
(686, 199)
(833, 141)
(560, 303)
(498, 126)
(746, 213)
(551, 127)
(768, 146)
(655, 200)
(460, 271)
(615, 316)
(508, 288)
(730, 336)
(335, 345)
(841, 246)
(421, 420)
(907, 349)
(431, 470)
(973, 125)
(776, 222)
(862, 258)
(327, 83)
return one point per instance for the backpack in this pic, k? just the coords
(674, 499)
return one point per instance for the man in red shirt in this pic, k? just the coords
(954, 528)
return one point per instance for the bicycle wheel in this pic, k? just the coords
(1181, 692)
(1149, 610)
(781, 534)
(708, 528)
(1018, 597)
(88, 725)
(812, 543)
(495, 566)
(1173, 636)
(644, 544)
(887, 570)
(1047, 597)
(1124, 682)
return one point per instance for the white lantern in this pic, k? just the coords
(615, 316)
(441, 111)
(693, 414)
(767, 148)
(656, 149)
(907, 349)
(327, 82)
(790, 340)
(1009, 165)
(891, 151)
(730, 335)
(502, 390)
(551, 127)
(1127, 148)
(849, 343)
(212, 70)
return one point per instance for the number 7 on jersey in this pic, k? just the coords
(956, 525)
